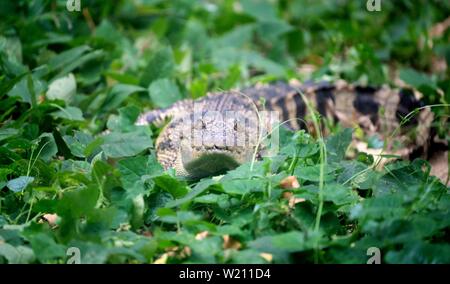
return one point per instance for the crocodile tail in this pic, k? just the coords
(389, 113)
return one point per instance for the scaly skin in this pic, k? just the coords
(201, 138)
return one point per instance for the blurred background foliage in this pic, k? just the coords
(191, 47)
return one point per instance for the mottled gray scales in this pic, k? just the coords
(202, 138)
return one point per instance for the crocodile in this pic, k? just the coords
(223, 129)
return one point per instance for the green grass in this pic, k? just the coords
(65, 77)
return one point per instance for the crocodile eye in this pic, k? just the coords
(200, 124)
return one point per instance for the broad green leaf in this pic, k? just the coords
(78, 202)
(238, 37)
(12, 47)
(339, 194)
(422, 253)
(95, 253)
(47, 147)
(5, 133)
(259, 9)
(337, 145)
(125, 121)
(272, 30)
(96, 54)
(358, 174)
(4, 172)
(63, 88)
(164, 92)
(201, 187)
(170, 184)
(64, 58)
(312, 173)
(179, 216)
(242, 187)
(206, 249)
(210, 198)
(16, 255)
(415, 78)
(44, 245)
(117, 95)
(108, 32)
(160, 65)
(28, 88)
(375, 142)
(225, 57)
(247, 256)
(386, 206)
(117, 145)
(7, 85)
(69, 113)
(285, 242)
(78, 143)
(20, 183)
(137, 173)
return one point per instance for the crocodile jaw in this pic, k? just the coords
(200, 162)
(210, 164)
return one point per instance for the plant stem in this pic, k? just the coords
(323, 159)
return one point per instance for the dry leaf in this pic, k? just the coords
(176, 252)
(287, 195)
(290, 182)
(172, 249)
(306, 70)
(439, 166)
(230, 243)
(267, 256)
(294, 200)
(162, 259)
(200, 236)
(186, 252)
(147, 234)
(50, 218)
(41, 99)
(363, 147)
(438, 64)
(123, 227)
(439, 29)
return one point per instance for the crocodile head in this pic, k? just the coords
(208, 143)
